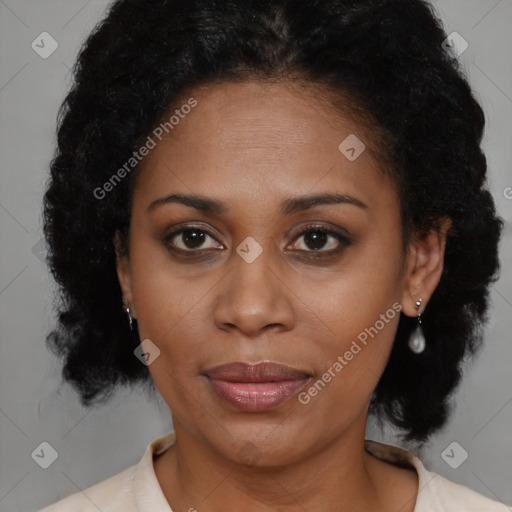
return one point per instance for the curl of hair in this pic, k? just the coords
(385, 55)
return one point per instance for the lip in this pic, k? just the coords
(256, 387)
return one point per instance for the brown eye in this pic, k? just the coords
(318, 239)
(188, 239)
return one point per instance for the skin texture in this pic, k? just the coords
(251, 146)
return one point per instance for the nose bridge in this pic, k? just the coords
(252, 281)
(252, 295)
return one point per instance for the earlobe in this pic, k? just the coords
(124, 273)
(424, 268)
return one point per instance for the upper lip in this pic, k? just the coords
(265, 371)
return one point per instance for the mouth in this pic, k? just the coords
(256, 387)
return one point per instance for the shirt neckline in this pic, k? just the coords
(146, 488)
(404, 458)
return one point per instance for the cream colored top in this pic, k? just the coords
(136, 489)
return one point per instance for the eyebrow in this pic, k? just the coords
(288, 206)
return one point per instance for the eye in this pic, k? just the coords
(189, 239)
(316, 238)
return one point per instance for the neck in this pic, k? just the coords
(340, 476)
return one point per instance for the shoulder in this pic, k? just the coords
(435, 492)
(449, 496)
(114, 493)
(132, 490)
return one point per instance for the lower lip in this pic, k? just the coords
(257, 396)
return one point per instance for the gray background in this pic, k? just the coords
(95, 444)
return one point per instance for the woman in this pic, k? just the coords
(270, 212)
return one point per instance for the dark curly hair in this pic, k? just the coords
(386, 56)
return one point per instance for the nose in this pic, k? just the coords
(254, 298)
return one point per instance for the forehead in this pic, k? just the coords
(261, 141)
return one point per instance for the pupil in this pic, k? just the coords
(318, 239)
(193, 238)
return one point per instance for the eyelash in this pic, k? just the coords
(344, 241)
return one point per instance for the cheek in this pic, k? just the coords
(365, 286)
(170, 316)
(355, 354)
(350, 362)
(167, 304)
(359, 313)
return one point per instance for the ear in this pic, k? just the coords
(124, 273)
(424, 266)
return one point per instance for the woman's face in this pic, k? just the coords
(247, 284)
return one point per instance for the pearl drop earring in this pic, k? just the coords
(128, 312)
(417, 339)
